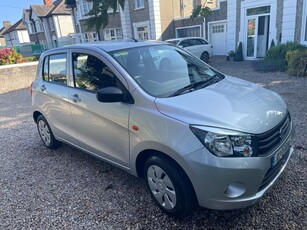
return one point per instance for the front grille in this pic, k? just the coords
(272, 172)
(271, 139)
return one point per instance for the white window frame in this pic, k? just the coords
(141, 24)
(107, 34)
(84, 7)
(89, 37)
(139, 4)
(51, 23)
(187, 27)
(304, 24)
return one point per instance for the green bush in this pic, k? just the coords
(297, 62)
(239, 53)
(10, 56)
(272, 43)
(280, 51)
(30, 59)
(271, 65)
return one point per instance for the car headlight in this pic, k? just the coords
(225, 143)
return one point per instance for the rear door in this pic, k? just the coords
(51, 97)
(102, 128)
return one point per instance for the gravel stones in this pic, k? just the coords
(68, 189)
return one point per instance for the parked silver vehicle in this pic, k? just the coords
(195, 135)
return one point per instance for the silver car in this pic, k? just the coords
(195, 135)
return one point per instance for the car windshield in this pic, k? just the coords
(165, 71)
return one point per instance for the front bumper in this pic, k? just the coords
(231, 183)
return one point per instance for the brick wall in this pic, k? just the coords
(15, 77)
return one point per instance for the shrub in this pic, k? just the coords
(280, 51)
(272, 43)
(10, 56)
(271, 65)
(297, 62)
(239, 53)
(30, 59)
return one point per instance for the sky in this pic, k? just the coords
(11, 10)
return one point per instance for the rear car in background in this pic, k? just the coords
(197, 136)
(200, 47)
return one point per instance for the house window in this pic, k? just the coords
(90, 37)
(51, 24)
(196, 3)
(38, 25)
(85, 7)
(188, 32)
(142, 32)
(139, 4)
(113, 34)
(258, 10)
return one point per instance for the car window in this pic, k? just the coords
(90, 73)
(202, 41)
(55, 69)
(185, 43)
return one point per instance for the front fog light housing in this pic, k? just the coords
(225, 143)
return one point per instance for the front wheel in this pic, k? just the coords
(45, 133)
(169, 186)
(205, 57)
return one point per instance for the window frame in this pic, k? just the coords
(48, 75)
(139, 4)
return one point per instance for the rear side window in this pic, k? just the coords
(55, 68)
(185, 43)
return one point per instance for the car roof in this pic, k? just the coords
(109, 46)
(185, 38)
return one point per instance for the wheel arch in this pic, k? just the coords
(147, 153)
(36, 114)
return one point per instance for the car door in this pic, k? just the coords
(52, 99)
(102, 128)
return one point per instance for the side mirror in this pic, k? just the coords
(109, 95)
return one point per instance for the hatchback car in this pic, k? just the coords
(196, 135)
(200, 47)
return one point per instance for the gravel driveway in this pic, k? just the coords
(68, 189)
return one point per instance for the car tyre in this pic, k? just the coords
(46, 134)
(169, 186)
(205, 57)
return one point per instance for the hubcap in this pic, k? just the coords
(161, 187)
(44, 132)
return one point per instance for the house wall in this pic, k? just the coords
(289, 20)
(138, 15)
(167, 13)
(217, 15)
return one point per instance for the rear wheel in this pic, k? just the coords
(45, 133)
(204, 57)
(169, 186)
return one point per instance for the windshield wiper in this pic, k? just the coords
(195, 85)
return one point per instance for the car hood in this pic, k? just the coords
(230, 104)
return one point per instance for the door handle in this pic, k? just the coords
(43, 88)
(75, 98)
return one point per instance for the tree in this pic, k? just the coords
(200, 11)
(99, 17)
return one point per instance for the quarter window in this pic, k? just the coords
(90, 73)
(55, 69)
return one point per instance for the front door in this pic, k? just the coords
(218, 38)
(102, 128)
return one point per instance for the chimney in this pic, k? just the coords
(6, 24)
(48, 2)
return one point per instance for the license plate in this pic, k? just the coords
(281, 152)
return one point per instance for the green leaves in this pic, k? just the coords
(200, 11)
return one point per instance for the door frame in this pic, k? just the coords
(245, 5)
